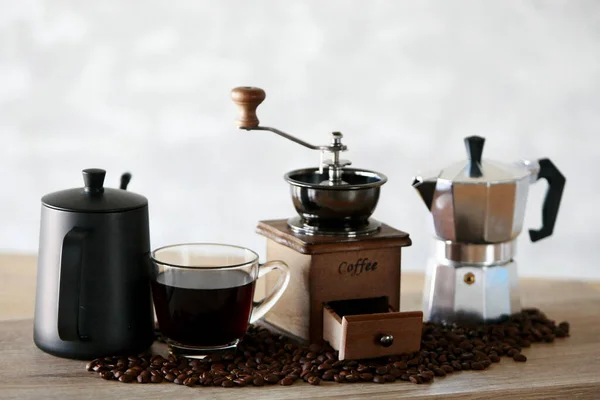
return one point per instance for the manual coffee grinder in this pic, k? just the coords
(477, 207)
(345, 265)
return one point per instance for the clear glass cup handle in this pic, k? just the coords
(263, 306)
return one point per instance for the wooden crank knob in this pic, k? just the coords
(247, 99)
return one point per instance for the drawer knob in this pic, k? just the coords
(386, 340)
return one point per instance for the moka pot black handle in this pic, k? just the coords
(71, 266)
(556, 185)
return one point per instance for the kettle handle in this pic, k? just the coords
(71, 265)
(556, 185)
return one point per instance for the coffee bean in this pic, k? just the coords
(314, 380)
(126, 378)
(218, 380)
(286, 381)
(447, 369)
(519, 357)
(381, 370)
(240, 382)
(339, 378)
(413, 362)
(362, 368)
(512, 352)
(91, 365)
(424, 378)
(400, 365)
(227, 383)
(156, 379)
(389, 378)
(328, 376)
(143, 379)
(106, 375)
(428, 373)
(524, 343)
(271, 378)
(258, 381)
(170, 377)
(191, 381)
(378, 379)
(366, 377)
(416, 379)
(324, 367)
(477, 366)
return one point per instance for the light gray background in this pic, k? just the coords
(143, 86)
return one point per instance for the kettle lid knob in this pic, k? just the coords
(93, 179)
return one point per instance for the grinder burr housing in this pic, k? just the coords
(345, 265)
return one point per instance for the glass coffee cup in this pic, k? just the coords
(204, 295)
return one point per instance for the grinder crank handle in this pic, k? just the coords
(248, 98)
(556, 185)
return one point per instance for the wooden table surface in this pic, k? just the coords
(566, 369)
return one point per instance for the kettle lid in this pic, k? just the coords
(478, 171)
(94, 197)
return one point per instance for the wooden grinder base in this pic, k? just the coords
(326, 269)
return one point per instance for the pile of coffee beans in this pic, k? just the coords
(264, 358)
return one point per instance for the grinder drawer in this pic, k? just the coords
(369, 328)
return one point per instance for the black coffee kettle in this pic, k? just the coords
(93, 289)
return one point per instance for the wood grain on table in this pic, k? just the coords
(566, 369)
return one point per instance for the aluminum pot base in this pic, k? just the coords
(470, 294)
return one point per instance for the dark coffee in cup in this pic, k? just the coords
(203, 310)
(203, 295)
